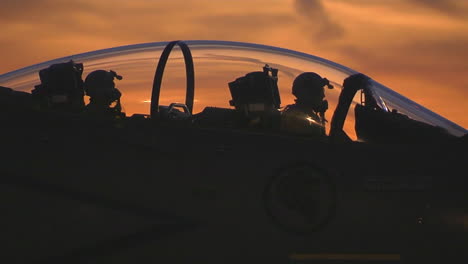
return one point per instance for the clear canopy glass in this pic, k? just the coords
(216, 64)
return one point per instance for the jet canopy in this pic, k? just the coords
(216, 66)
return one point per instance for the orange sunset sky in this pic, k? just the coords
(417, 47)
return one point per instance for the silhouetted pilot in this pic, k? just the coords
(307, 115)
(104, 97)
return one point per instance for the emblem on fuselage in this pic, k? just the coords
(301, 198)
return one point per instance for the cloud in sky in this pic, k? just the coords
(417, 47)
(454, 8)
(450, 7)
(318, 20)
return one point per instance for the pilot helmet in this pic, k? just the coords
(100, 85)
(309, 84)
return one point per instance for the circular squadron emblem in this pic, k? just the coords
(301, 198)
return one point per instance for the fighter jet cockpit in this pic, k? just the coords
(233, 85)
